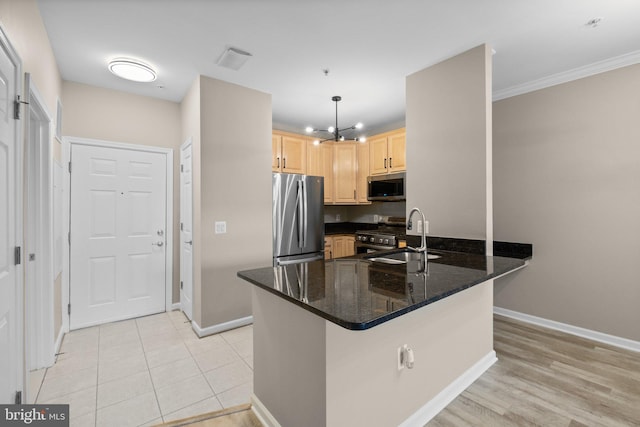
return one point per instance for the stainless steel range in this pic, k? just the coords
(385, 237)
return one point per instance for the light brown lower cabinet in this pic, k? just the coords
(339, 246)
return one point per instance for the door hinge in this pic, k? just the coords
(16, 105)
(69, 309)
(17, 255)
(181, 168)
(181, 226)
(69, 167)
(18, 399)
(181, 284)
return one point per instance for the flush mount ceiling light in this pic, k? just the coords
(336, 131)
(233, 58)
(131, 69)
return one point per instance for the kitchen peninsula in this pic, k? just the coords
(327, 336)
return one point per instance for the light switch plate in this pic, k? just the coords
(221, 227)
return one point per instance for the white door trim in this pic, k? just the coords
(67, 142)
(39, 305)
(21, 374)
(187, 143)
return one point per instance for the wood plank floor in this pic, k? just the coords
(542, 378)
(548, 378)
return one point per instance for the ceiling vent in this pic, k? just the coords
(233, 58)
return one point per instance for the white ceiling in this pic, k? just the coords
(369, 46)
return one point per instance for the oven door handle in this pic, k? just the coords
(375, 247)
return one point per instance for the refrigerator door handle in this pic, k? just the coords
(305, 214)
(300, 215)
(310, 258)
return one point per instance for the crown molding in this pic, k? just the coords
(627, 59)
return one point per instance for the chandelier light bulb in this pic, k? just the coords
(336, 132)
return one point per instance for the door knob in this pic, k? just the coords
(158, 244)
(190, 242)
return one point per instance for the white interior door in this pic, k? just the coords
(10, 213)
(186, 229)
(118, 225)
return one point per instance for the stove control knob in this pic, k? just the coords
(386, 241)
(372, 240)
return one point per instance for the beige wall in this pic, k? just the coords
(92, 112)
(567, 179)
(448, 144)
(235, 173)
(21, 21)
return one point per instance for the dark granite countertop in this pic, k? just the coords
(359, 294)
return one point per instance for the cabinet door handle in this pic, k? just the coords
(354, 194)
(390, 166)
(385, 163)
(284, 163)
(278, 161)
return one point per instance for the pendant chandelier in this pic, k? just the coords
(336, 132)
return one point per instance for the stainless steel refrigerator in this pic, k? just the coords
(298, 218)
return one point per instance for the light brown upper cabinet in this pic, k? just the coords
(387, 152)
(363, 173)
(345, 160)
(320, 163)
(289, 153)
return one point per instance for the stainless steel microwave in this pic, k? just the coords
(387, 188)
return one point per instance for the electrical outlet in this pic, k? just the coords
(221, 227)
(376, 218)
(419, 230)
(338, 217)
(426, 227)
(405, 357)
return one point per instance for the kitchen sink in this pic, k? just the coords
(400, 257)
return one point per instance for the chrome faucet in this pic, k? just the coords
(423, 242)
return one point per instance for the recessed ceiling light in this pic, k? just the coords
(131, 69)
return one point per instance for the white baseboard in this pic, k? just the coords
(570, 329)
(262, 413)
(450, 392)
(175, 306)
(221, 327)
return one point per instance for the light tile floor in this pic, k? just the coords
(147, 371)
